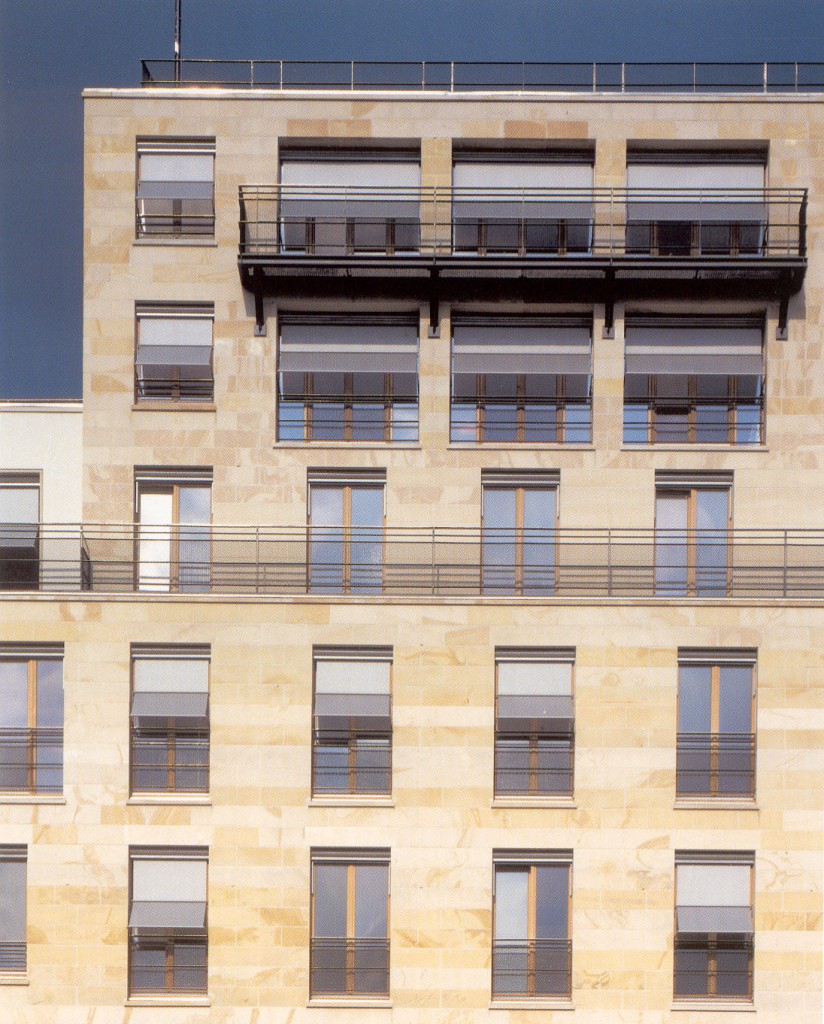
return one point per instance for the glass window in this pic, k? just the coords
(175, 188)
(531, 946)
(534, 723)
(716, 731)
(173, 360)
(696, 380)
(692, 540)
(352, 734)
(13, 910)
(31, 720)
(713, 926)
(346, 537)
(350, 925)
(173, 526)
(19, 531)
(521, 381)
(167, 921)
(170, 720)
(519, 520)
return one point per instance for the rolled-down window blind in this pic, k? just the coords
(351, 690)
(534, 694)
(174, 340)
(671, 349)
(553, 190)
(171, 687)
(168, 893)
(714, 898)
(176, 175)
(348, 348)
(507, 348)
(696, 192)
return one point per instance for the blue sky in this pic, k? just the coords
(51, 49)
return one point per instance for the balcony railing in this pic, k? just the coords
(31, 760)
(170, 762)
(167, 962)
(472, 76)
(12, 957)
(531, 967)
(354, 967)
(713, 967)
(718, 764)
(331, 222)
(437, 562)
(538, 767)
(358, 765)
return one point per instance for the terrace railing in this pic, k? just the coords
(326, 222)
(433, 562)
(610, 77)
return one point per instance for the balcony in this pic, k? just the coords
(594, 245)
(439, 562)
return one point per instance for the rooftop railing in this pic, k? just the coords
(610, 77)
(333, 222)
(419, 562)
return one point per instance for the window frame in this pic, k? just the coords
(671, 485)
(519, 483)
(52, 737)
(565, 656)
(351, 859)
(713, 942)
(21, 479)
(353, 791)
(175, 386)
(174, 147)
(14, 952)
(171, 734)
(149, 480)
(715, 660)
(531, 861)
(168, 938)
(346, 534)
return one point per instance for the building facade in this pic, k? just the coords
(443, 638)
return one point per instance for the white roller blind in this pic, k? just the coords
(171, 675)
(720, 176)
(168, 881)
(497, 348)
(348, 348)
(174, 341)
(492, 175)
(176, 167)
(352, 677)
(19, 504)
(713, 885)
(534, 678)
(711, 351)
(349, 174)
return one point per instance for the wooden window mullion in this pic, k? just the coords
(171, 755)
(31, 720)
(348, 399)
(692, 542)
(531, 928)
(480, 408)
(732, 407)
(174, 574)
(308, 405)
(387, 406)
(169, 975)
(520, 407)
(519, 539)
(346, 554)
(560, 407)
(351, 872)
(715, 718)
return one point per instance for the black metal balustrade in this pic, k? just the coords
(469, 76)
(437, 562)
(12, 957)
(170, 761)
(713, 967)
(531, 967)
(334, 222)
(167, 962)
(341, 966)
(717, 764)
(356, 764)
(537, 766)
(31, 760)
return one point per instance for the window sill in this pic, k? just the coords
(713, 1006)
(377, 446)
(172, 406)
(350, 1004)
(168, 1001)
(168, 799)
(520, 446)
(686, 447)
(14, 978)
(564, 803)
(351, 801)
(533, 1004)
(207, 242)
(31, 798)
(714, 804)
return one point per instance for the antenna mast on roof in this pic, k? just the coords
(177, 41)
